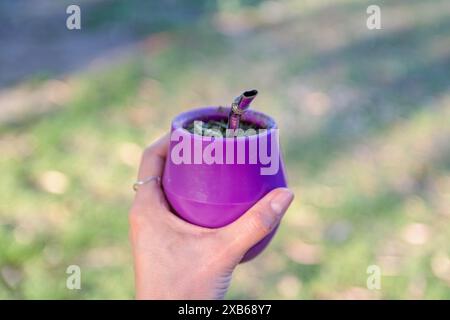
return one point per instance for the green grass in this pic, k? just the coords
(364, 119)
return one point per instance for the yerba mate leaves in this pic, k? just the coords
(218, 128)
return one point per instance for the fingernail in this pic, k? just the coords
(279, 205)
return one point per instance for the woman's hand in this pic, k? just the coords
(174, 259)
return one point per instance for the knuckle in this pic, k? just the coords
(148, 151)
(256, 224)
(134, 210)
(132, 220)
(135, 216)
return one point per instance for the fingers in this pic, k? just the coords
(152, 164)
(258, 221)
(153, 158)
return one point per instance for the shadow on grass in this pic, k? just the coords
(384, 101)
(37, 45)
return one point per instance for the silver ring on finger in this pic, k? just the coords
(139, 183)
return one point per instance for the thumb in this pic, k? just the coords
(258, 221)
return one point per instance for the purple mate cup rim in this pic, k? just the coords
(266, 122)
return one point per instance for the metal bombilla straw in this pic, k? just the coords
(238, 107)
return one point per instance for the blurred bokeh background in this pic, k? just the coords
(365, 127)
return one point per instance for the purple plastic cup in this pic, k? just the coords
(215, 194)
